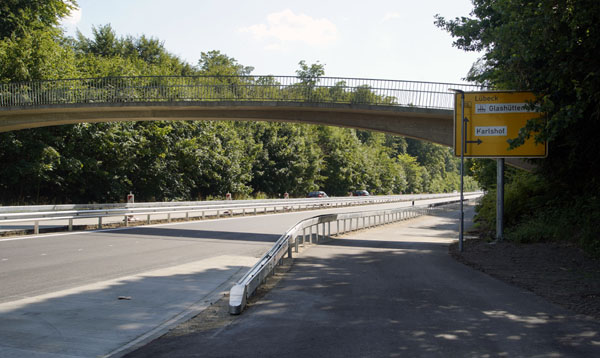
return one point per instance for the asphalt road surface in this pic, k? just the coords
(392, 291)
(95, 293)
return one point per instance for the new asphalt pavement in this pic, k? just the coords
(391, 291)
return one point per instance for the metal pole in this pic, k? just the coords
(462, 170)
(500, 199)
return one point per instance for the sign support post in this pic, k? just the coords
(462, 169)
(496, 116)
(500, 199)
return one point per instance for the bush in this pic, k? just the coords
(524, 195)
(534, 211)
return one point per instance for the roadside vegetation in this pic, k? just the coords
(185, 160)
(550, 48)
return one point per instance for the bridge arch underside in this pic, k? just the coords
(432, 125)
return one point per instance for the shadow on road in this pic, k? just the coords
(194, 234)
(360, 297)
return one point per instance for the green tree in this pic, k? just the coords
(414, 173)
(18, 17)
(215, 63)
(550, 48)
(289, 159)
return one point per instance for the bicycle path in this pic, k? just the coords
(391, 291)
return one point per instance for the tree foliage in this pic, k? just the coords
(18, 17)
(190, 160)
(549, 47)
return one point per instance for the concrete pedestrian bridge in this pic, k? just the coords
(420, 110)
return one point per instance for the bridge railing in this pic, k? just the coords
(141, 89)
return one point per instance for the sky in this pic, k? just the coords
(383, 39)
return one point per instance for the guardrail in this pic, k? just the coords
(297, 235)
(185, 211)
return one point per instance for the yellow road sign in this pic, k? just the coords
(492, 119)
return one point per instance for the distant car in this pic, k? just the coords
(317, 194)
(360, 193)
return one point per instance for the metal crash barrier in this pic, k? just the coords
(314, 230)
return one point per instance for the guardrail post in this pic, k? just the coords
(244, 212)
(303, 236)
(296, 243)
(329, 228)
(231, 213)
(100, 222)
(168, 217)
(254, 211)
(187, 215)
(202, 214)
(70, 224)
(126, 221)
(36, 227)
(289, 247)
(310, 233)
(318, 237)
(218, 214)
(148, 219)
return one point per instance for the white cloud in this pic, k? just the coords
(285, 26)
(391, 16)
(73, 18)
